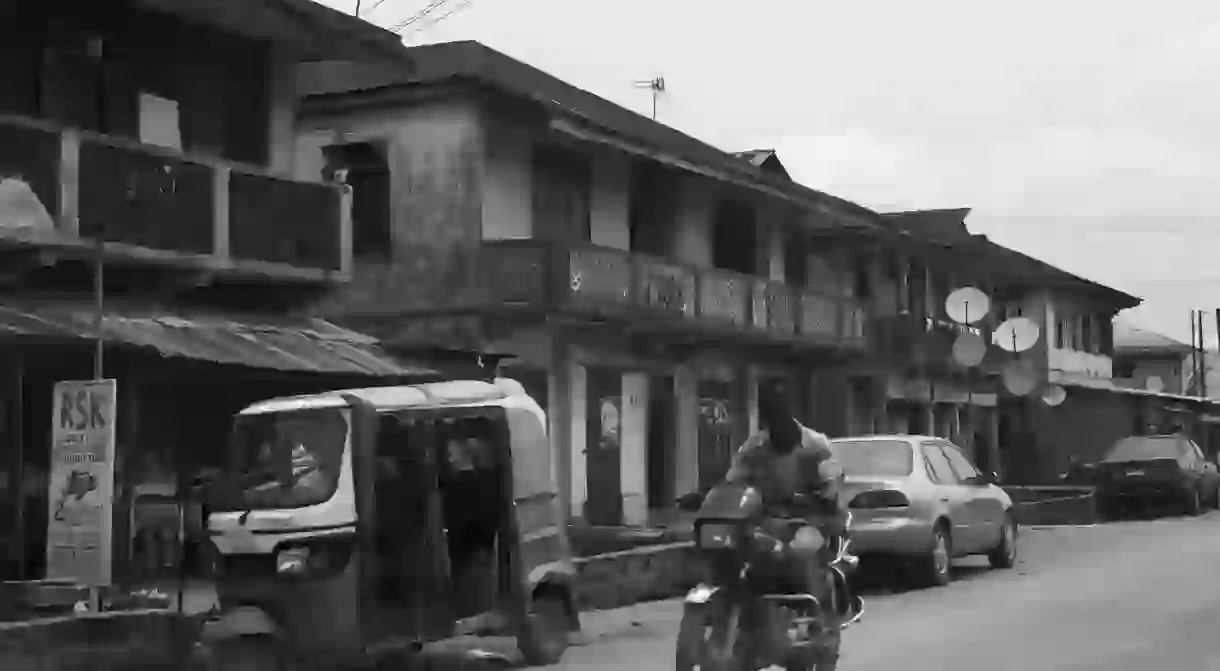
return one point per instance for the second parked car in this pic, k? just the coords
(1140, 471)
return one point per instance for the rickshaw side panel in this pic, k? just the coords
(544, 555)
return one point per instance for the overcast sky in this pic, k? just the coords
(1083, 132)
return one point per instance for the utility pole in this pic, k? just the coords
(1194, 349)
(1202, 358)
(657, 86)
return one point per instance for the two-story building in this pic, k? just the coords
(913, 382)
(644, 281)
(1167, 369)
(148, 211)
(1144, 359)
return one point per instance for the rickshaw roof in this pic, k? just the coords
(403, 397)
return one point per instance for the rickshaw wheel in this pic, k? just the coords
(544, 638)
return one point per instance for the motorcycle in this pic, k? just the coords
(742, 617)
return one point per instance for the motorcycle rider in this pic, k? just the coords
(798, 477)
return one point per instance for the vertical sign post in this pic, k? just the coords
(81, 483)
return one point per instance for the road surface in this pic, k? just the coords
(1131, 596)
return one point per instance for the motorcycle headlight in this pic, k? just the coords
(292, 561)
(717, 536)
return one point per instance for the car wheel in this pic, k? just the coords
(1109, 510)
(1194, 502)
(935, 568)
(1005, 554)
(545, 637)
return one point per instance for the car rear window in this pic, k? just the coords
(1139, 448)
(885, 458)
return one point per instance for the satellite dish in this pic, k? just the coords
(1154, 384)
(1017, 334)
(1019, 377)
(967, 305)
(969, 349)
(1054, 395)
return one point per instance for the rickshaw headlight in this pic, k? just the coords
(292, 561)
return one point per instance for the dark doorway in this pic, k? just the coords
(715, 431)
(662, 443)
(368, 173)
(734, 238)
(603, 447)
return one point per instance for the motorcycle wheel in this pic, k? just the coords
(702, 641)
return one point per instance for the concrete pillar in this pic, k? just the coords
(686, 429)
(633, 459)
(578, 430)
(559, 419)
(751, 398)
(739, 405)
(776, 240)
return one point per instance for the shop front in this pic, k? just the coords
(177, 381)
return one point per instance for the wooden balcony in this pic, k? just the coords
(150, 205)
(599, 283)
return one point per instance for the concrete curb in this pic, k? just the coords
(648, 573)
(97, 642)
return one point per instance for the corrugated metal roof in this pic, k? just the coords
(1130, 338)
(279, 343)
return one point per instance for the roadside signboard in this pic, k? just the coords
(81, 482)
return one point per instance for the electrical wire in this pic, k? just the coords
(462, 4)
(418, 16)
(374, 6)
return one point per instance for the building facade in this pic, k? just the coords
(644, 282)
(147, 199)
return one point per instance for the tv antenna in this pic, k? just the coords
(657, 86)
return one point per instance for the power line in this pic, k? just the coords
(463, 4)
(421, 14)
(374, 6)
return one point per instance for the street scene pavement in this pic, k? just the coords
(1127, 596)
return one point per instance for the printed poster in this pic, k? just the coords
(81, 482)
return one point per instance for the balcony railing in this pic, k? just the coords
(929, 343)
(159, 205)
(600, 282)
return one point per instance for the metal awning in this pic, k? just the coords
(277, 343)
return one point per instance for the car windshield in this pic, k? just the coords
(884, 458)
(1142, 448)
(284, 459)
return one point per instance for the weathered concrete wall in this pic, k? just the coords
(436, 155)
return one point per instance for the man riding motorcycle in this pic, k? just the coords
(798, 477)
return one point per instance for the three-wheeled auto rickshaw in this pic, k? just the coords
(370, 522)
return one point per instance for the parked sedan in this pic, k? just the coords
(1141, 470)
(919, 499)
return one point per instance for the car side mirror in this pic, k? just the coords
(690, 502)
(987, 478)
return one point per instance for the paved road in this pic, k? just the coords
(1132, 596)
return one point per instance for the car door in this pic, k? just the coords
(987, 510)
(952, 499)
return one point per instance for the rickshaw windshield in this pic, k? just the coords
(284, 459)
